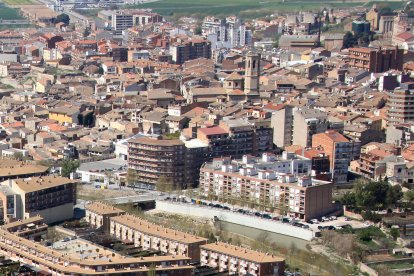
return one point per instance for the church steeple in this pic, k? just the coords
(252, 74)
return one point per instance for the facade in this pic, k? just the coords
(98, 214)
(372, 17)
(236, 137)
(340, 150)
(52, 197)
(280, 184)
(154, 159)
(401, 104)
(152, 236)
(183, 51)
(226, 33)
(240, 261)
(306, 123)
(386, 24)
(376, 60)
(18, 248)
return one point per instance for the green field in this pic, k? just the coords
(17, 2)
(9, 13)
(244, 8)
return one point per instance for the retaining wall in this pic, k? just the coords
(237, 218)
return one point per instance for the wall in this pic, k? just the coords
(237, 218)
(55, 214)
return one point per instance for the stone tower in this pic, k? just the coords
(251, 74)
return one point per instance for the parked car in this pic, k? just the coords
(347, 219)
(314, 221)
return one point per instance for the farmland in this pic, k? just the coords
(17, 2)
(9, 13)
(245, 8)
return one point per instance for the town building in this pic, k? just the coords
(98, 214)
(240, 261)
(276, 182)
(401, 104)
(151, 236)
(341, 152)
(376, 60)
(52, 197)
(99, 261)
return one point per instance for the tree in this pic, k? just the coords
(348, 199)
(69, 166)
(152, 271)
(349, 40)
(165, 184)
(409, 196)
(394, 194)
(198, 30)
(395, 233)
(86, 32)
(371, 194)
(63, 17)
(132, 177)
(18, 156)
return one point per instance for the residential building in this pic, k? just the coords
(400, 134)
(21, 170)
(52, 197)
(306, 123)
(182, 51)
(340, 150)
(376, 60)
(401, 104)
(372, 17)
(101, 261)
(154, 237)
(240, 261)
(281, 184)
(65, 114)
(98, 214)
(154, 159)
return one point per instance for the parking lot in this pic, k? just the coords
(340, 221)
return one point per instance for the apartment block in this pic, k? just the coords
(306, 123)
(341, 152)
(98, 214)
(52, 197)
(151, 236)
(277, 182)
(401, 104)
(99, 262)
(376, 60)
(241, 261)
(153, 159)
(236, 137)
(188, 49)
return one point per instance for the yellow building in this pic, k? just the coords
(65, 114)
(373, 17)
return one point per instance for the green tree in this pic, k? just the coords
(348, 199)
(63, 17)
(409, 196)
(395, 233)
(198, 30)
(69, 166)
(18, 156)
(152, 271)
(86, 32)
(371, 194)
(165, 184)
(349, 40)
(394, 195)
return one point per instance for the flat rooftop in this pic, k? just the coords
(40, 183)
(114, 164)
(21, 169)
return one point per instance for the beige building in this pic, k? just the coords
(264, 185)
(373, 17)
(101, 261)
(240, 261)
(151, 236)
(98, 214)
(52, 197)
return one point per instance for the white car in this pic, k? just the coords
(314, 221)
(367, 224)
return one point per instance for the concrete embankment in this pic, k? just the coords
(236, 218)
